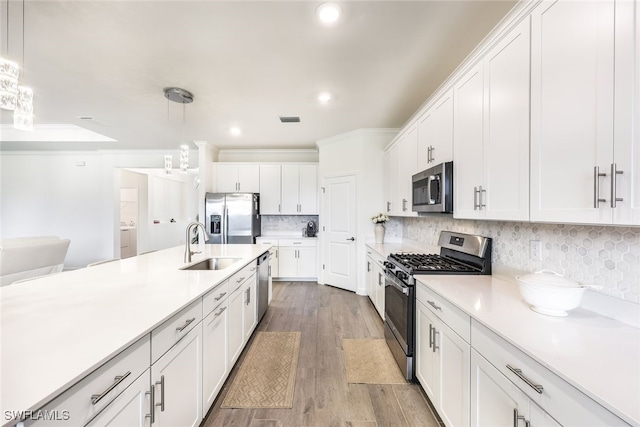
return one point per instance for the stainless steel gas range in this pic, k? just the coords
(459, 254)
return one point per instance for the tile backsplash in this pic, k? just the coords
(285, 224)
(604, 256)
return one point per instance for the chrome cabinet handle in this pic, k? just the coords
(404, 205)
(379, 279)
(596, 187)
(482, 200)
(433, 304)
(435, 346)
(368, 266)
(161, 384)
(152, 395)
(240, 279)
(187, 323)
(95, 398)
(247, 294)
(517, 417)
(431, 153)
(353, 239)
(220, 312)
(278, 207)
(518, 372)
(219, 297)
(388, 206)
(430, 336)
(297, 243)
(476, 205)
(614, 185)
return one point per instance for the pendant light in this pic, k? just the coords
(183, 97)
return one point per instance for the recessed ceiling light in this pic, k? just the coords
(328, 13)
(324, 97)
(235, 131)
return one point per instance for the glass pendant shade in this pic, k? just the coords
(9, 72)
(23, 113)
(168, 164)
(184, 158)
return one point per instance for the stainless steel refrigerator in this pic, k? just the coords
(232, 217)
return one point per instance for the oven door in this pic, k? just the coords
(397, 310)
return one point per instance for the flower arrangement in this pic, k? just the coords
(380, 218)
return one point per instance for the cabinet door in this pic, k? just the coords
(215, 366)
(427, 369)
(370, 279)
(288, 261)
(236, 329)
(390, 174)
(572, 88)
(177, 378)
(435, 133)
(454, 357)
(307, 262)
(308, 189)
(539, 418)
(407, 166)
(250, 307)
(290, 189)
(249, 178)
(467, 148)
(130, 409)
(227, 175)
(493, 397)
(506, 132)
(275, 255)
(379, 284)
(269, 189)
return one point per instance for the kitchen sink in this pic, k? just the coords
(212, 264)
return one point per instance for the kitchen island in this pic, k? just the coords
(58, 329)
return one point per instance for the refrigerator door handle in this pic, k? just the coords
(225, 225)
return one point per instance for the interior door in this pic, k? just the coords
(340, 227)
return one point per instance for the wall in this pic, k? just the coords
(51, 193)
(264, 156)
(605, 256)
(285, 225)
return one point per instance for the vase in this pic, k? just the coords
(378, 230)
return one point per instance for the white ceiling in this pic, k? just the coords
(246, 62)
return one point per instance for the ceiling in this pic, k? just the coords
(246, 62)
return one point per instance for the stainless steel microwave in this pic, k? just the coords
(432, 189)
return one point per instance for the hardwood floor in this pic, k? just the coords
(325, 315)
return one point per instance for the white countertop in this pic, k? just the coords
(58, 329)
(597, 355)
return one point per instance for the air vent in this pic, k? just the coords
(290, 119)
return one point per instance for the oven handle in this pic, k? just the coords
(403, 289)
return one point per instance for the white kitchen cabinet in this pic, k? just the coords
(234, 177)
(131, 409)
(585, 98)
(390, 184)
(427, 369)
(407, 167)
(299, 189)
(270, 192)
(375, 281)
(491, 133)
(297, 258)
(274, 251)
(236, 328)
(215, 363)
(435, 133)
(177, 381)
(250, 307)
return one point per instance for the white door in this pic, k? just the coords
(340, 228)
(270, 189)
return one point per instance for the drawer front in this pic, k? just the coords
(380, 259)
(86, 399)
(266, 241)
(241, 276)
(214, 298)
(173, 330)
(452, 316)
(297, 242)
(565, 403)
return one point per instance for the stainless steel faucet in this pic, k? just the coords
(187, 249)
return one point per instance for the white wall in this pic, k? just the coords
(360, 153)
(49, 193)
(264, 156)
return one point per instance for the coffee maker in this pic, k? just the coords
(311, 229)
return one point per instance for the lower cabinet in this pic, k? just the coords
(297, 262)
(236, 329)
(215, 364)
(250, 307)
(176, 379)
(375, 281)
(131, 409)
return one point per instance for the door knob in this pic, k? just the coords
(352, 239)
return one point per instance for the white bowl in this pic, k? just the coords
(550, 293)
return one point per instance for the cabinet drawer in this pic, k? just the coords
(92, 394)
(241, 276)
(214, 298)
(266, 241)
(297, 242)
(376, 257)
(452, 316)
(173, 330)
(565, 403)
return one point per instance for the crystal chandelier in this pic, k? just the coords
(183, 97)
(14, 97)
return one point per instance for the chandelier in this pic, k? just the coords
(183, 97)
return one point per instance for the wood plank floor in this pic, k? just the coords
(325, 315)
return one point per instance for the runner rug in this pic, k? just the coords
(369, 361)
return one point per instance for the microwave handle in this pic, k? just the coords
(429, 181)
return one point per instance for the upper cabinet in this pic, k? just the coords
(491, 133)
(584, 160)
(270, 194)
(435, 133)
(400, 163)
(299, 190)
(234, 178)
(390, 177)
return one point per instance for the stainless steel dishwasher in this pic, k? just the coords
(263, 283)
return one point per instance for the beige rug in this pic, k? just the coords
(267, 376)
(369, 361)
